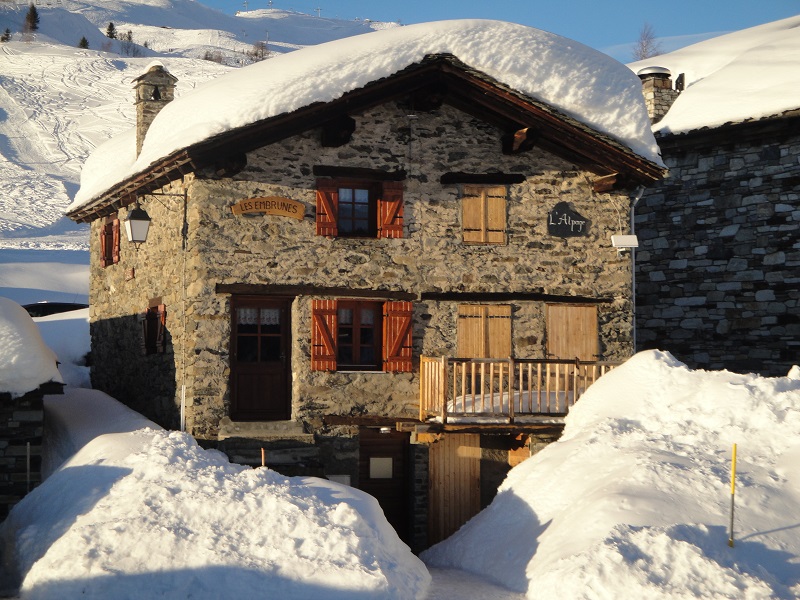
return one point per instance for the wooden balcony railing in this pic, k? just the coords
(494, 388)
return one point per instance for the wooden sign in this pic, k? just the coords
(271, 205)
(565, 222)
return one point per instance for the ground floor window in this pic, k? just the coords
(356, 335)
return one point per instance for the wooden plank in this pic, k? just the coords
(454, 483)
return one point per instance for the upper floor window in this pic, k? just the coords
(359, 208)
(109, 241)
(483, 216)
(154, 328)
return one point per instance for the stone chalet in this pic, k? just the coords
(315, 286)
(717, 280)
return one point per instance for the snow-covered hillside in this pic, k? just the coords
(58, 102)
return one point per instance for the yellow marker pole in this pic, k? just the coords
(733, 492)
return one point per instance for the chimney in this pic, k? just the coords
(153, 91)
(657, 91)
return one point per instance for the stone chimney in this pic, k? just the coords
(658, 92)
(153, 90)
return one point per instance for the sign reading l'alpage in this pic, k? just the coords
(565, 222)
(272, 205)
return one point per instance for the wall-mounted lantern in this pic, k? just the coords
(137, 224)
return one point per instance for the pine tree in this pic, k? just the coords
(32, 19)
(6, 37)
(84, 43)
(111, 31)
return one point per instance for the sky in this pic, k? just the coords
(600, 25)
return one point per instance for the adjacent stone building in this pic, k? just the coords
(719, 256)
(298, 268)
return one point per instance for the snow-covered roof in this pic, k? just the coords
(580, 82)
(745, 75)
(25, 360)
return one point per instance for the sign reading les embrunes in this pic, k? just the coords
(272, 205)
(565, 222)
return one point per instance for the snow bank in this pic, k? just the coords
(67, 334)
(582, 82)
(25, 360)
(748, 74)
(149, 513)
(633, 501)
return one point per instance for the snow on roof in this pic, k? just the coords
(581, 82)
(748, 74)
(25, 360)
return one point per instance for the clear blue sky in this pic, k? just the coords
(601, 24)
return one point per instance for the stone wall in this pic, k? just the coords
(21, 426)
(717, 266)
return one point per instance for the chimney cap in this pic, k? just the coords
(655, 71)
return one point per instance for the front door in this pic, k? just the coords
(260, 357)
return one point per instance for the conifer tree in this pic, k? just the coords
(6, 37)
(111, 31)
(32, 19)
(83, 43)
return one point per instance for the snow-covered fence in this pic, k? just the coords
(479, 388)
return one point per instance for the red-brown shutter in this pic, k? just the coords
(390, 210)
(161, 333)
(397, 336)
(142, 317)
(115, 241)
(323, 335)
(327, 207)
(104, 233)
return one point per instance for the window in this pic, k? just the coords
(153, 322)
(484, 331)
(109, 241)
(359, 208)
(352, 335)
(483, 216)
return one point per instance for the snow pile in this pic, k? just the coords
(67, 334)
(748, 74)
(149, 513)
(634, 500)
(582, 82)
(25, 360)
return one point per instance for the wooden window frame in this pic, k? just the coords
(109, 241)
(356, 326)
(385, 218)
(484, 218)
(393, 335)
(153, 322)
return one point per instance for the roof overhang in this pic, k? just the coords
(441, 78)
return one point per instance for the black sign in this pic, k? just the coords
(565, 222)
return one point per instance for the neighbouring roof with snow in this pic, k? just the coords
(577, 81)
(25, 360)
(746, 75)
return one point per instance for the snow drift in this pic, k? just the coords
(633, 501)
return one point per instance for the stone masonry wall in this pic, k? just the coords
(717, 266)
(228, 249)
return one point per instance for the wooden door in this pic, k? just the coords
(455, 483)
(383, 472)
(484, 331)
(260, 359)
(572, 331)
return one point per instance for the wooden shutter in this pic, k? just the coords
(160, 322)
(142, 317)
(115, 241)
(390, 210)
(323, 335)
(104, 258)
(484, 331)
(484, 214)
(327, 207)
(397, 336)
(572, 331)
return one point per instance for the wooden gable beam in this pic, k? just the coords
(338, 131)
(605, 183)
(519, 141)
